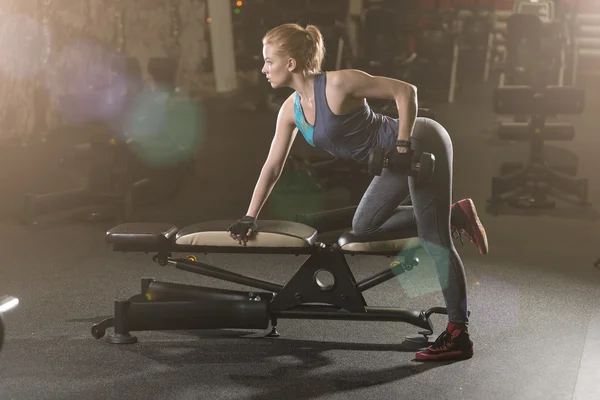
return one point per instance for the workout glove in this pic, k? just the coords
(243, 228)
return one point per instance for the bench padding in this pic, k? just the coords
(382, 242)
(277, 234)
(284, 235)
(151, 235)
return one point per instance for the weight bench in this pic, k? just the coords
(322, 288)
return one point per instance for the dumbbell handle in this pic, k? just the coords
(378, 160)
(415, 164)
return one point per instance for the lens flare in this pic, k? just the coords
(424, 279)
(164, 128)
(89, 83)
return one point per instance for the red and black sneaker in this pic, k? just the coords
(452, 345)
(466, 221)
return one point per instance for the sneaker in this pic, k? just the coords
(466, 222)
(452, 345)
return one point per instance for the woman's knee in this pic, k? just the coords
(431, 136)
(362, 225)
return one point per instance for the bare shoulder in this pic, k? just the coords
(286, 111)
(345, 76)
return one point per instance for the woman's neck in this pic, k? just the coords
(305, 86)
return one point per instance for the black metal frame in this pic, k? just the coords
(170, 306)
(531, 183)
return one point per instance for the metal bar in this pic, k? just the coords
(219, 273)
(237, 249)
(171, 247)
(379, 278)
(453, 73)
(168, 291)
(416, 318)
(488, 56)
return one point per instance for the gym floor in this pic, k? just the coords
(534, 299)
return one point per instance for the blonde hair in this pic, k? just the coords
(305, 45)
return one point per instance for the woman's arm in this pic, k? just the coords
(360, 84)
(285, 133)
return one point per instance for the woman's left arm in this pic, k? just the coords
(360, 84)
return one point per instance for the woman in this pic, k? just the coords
(331, 112)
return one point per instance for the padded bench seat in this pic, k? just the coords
(385, 242)
(144, 235)
(286, 236)
(168, 237)
(280, 234)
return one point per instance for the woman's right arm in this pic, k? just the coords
(285, 133)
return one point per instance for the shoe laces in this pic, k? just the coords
(459, 233)
(443, 340)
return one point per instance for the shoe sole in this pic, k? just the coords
(445, 357)
(480, 234)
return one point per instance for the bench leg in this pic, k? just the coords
(121, 334)
(306, 287)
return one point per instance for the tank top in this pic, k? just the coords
(348, 136)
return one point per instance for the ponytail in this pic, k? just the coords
(316, 52)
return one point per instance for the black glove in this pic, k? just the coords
(243, 228)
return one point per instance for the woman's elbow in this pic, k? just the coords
(411, 91)
(406, 92)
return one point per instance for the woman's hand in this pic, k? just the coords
(403, 146)
(243, 229)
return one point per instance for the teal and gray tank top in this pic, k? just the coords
(348, 136)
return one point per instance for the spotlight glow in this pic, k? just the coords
(8, 303)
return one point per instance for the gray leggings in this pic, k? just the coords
(379, 211)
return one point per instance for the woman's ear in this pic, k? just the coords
(291, 65)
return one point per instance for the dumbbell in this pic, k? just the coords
(421, 167)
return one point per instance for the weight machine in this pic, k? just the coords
(101, 155)
(541, 21)
(116, 178)
(531, 183)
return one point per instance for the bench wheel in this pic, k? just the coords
(98, 332)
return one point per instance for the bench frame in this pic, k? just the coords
(170, 306)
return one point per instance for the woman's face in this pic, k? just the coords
(276, 68)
